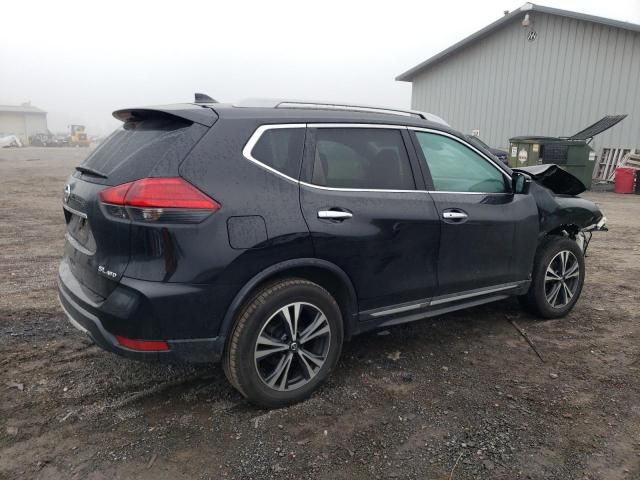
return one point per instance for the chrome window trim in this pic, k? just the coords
(377, 190)
(257, 134)
(255, 137)
(466, 144)
(357, 125)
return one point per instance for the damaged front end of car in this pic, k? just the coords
(560, 209)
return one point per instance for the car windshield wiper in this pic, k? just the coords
(90, 171)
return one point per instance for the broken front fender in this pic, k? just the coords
(564, 212)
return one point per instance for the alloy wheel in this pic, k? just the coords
(292, 346)
(561, 279)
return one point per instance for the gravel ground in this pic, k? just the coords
(460, 396)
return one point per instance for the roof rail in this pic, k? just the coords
(348, 107)
(308, 104)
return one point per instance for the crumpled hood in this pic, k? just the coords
(554, 178)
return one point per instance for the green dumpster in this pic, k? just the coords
(573, 154)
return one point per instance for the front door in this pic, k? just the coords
(360, 200)
(488, 234)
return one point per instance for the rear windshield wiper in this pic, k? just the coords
(90, 171)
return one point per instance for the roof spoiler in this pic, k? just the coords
(190, 112)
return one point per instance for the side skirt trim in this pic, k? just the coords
(473, 293)
(441, 311)
(435, 301)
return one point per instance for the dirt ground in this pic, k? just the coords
(462, 396)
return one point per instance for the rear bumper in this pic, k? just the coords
(94, 318)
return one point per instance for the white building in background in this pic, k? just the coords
(23, 121)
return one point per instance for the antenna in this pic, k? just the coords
(204, 98)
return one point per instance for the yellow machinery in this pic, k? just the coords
(78, 137)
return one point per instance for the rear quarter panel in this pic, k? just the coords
(218, 168)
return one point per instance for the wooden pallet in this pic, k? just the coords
(612, 158)
(631, 160)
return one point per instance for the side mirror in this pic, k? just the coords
(520, 183)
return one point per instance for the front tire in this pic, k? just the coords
(286, 340)
(557, 278)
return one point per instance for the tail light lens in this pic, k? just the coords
(158, 200)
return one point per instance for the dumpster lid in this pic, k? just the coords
(605, 123)
(537, 139)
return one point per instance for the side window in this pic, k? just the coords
(369, 158)
(456, 168)
(281, 148)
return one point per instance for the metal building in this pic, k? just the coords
(536, 71)
(23, 121)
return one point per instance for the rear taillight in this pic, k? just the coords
(158, 200)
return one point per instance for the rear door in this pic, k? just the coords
(488, 234)
(365, 213)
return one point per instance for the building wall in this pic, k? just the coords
(571, 75)
(23, 124)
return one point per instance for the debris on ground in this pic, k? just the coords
(525, 336)
(394, 356)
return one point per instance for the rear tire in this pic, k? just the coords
(285, 341)
(557, 278)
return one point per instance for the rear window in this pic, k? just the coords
(281, 149)
(367, 158)
(142, 145)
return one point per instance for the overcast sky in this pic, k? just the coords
(80, 60)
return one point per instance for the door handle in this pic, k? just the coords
(334, 214)
(455, 216)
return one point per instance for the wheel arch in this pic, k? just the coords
(324, 273)
(570, 228)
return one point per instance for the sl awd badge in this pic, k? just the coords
(107, 273)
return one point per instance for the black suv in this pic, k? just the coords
(264, 236)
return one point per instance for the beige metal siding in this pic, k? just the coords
(23, 125)
(35, 123)
(574, 73)
(12, 123)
